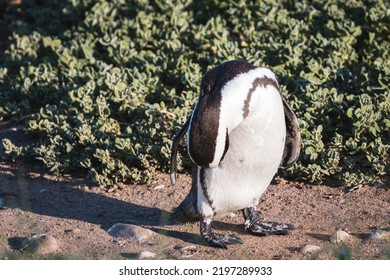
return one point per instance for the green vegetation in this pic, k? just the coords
(104, 85)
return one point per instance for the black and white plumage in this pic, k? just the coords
(241, 130)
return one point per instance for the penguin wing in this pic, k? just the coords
(292, 144)
(175, 146)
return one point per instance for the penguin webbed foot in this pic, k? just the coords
(268, 228)
(255, 226)
(217, 240)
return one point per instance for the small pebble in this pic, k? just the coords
(309, 249)
(159, 187)
(40, 244)
(75, 231)
(130, 231)
(378, 234)
(146, 255)
(339, 236)
(187, 251)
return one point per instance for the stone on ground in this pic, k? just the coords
(132, 232)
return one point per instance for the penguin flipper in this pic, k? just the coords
(292, 144)
(175, 146)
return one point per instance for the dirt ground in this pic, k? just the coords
(78, 215)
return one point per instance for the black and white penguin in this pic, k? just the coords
(240, 131)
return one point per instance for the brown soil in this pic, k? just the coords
(79, 214)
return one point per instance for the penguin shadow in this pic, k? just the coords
(184, 236)
(196, 239)
(72, 200)
(223, 226)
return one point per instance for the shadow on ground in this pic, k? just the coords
(68, 200)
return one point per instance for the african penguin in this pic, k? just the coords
(240, 131)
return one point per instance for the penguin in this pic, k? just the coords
(239, 133)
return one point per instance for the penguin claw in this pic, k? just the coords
(235, 238)
(269, 228)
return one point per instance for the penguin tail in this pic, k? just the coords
(185, 212)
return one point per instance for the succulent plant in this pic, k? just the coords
(105, 85)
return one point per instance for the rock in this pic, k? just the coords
(309, 249)
(39, 244)
(132, 232)
(75, 231)
(187, 251)
(159, 187)
(378, 234)
(339, 236)
(146, 255)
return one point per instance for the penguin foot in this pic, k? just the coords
(254, 224)
(217, 240)
(268, 228)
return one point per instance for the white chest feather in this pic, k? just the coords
(256, 145)
(239, 97)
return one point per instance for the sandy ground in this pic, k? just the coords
(78, 215)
